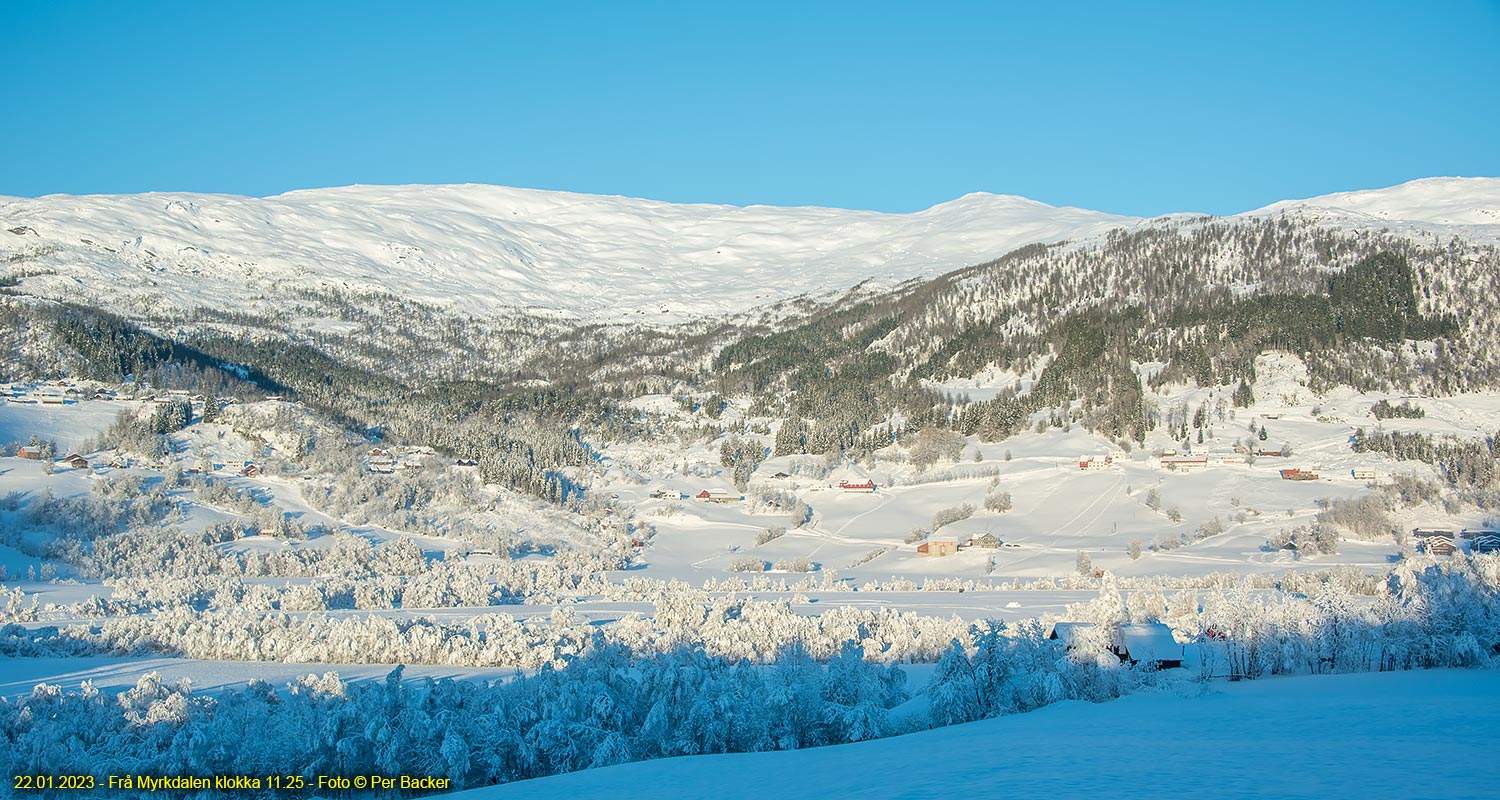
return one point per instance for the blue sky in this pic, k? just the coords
(1137, 108)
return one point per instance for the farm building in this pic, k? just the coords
(1437, 546)
(1095, 462)
(1362, 474)
(74, 461)
(250, 470)
(867, 485)
(32, 453)
(717, 496)
(1428, 533)
(781, 476)
(1268, 454)
(937, 549)
(1475, 533)
(1486, 544)
(1185, 463)
(985, 541)
(1298, 475)
(1148, 643)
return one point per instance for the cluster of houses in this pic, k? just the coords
(386, 460)
(1443, 542)
(71, 460)
(936, 548)
(55, 393)
(1100, 462)
(1191, 462)
(67, 392)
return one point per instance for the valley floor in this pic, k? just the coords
(1402, 734)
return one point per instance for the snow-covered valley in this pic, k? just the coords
(257, 455)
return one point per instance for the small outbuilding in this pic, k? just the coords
(936, 549)
(1148, 643)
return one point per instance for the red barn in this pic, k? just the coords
(867, 486)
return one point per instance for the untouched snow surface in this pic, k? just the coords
(1346, 736)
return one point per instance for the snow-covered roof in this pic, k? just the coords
(1150, 641)
(1068, 632)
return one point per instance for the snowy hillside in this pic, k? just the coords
(479, 249)
(1144, 746)
(1467, 207)
(482, 248)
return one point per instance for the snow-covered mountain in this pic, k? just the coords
(483, 249)
(1467, 207)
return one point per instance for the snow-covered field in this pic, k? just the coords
(1320, 738)
(67, 425)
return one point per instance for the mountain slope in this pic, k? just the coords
(1466, 207)
(485, 249)
(480, 249)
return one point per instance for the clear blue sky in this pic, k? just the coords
(1132, 107)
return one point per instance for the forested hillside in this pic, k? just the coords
(1087, 325)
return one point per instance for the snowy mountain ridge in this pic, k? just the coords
(485, 249)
